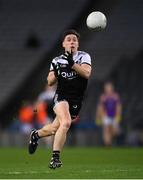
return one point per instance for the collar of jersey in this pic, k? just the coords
(75, 55)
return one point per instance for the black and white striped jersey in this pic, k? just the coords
(70, 84)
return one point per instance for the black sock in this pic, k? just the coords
(56, 154)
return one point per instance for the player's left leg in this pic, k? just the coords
(62, 113)
(116, 129)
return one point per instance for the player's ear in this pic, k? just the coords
(78, 45)
(63, 44)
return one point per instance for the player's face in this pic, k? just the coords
(71, 43)
(109, 88)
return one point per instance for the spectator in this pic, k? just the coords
(32, 41)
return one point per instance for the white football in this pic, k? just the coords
(96, 20)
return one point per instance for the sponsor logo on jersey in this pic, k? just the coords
(69, 75)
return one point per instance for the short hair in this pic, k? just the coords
(70, 31)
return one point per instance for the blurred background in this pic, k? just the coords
(30, 37)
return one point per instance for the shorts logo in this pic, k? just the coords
(75, 106)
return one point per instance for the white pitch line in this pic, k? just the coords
(111, 170)
(23, 172)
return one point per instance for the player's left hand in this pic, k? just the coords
(69, 57)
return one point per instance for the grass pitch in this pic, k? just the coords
(78, 163)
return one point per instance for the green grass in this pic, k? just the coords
(78, 163)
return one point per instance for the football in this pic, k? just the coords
(96, 21)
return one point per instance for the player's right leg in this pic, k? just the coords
(107, 131)
(47, 130)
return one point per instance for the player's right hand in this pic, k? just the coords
(68, 55)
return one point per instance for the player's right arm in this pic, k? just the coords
(101, 105)
(51, 78)
(53, 74)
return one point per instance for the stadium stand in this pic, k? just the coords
(45, 18)
(15, 67)
(122, 39)
(128, 77)
(18, 19)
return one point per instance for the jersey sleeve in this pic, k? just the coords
(86, 59)
(51, 66)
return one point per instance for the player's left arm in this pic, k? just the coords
(84, 70)
(118, 110)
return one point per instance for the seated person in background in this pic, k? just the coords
(47, 97)
(40, 115)
(25, 117)
(109, 112)
(32, 116)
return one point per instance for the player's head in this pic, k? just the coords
(70, 41)
(108, 87)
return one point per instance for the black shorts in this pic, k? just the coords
(74, 105)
